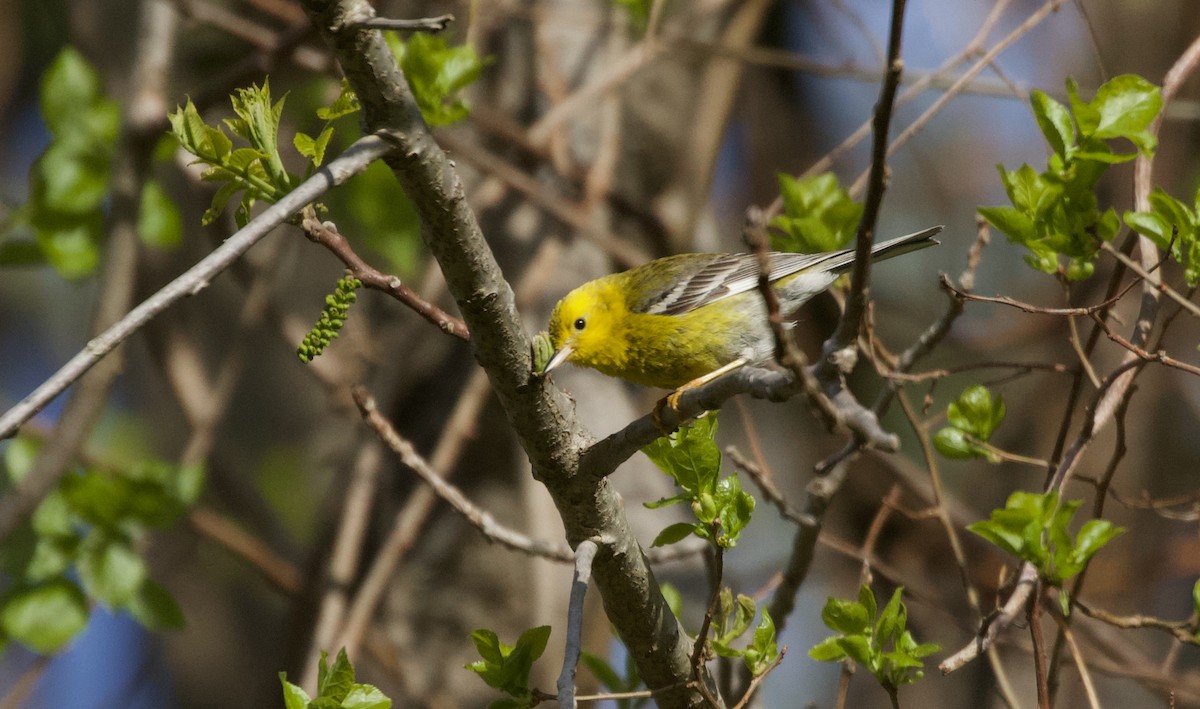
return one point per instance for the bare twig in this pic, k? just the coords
(281, 573)
(327, 235)
(584, 553)
(1151, 279)
(24, 685)
(1084, 675)
(700, 647)
(1039, 649)
(757, 681)
(479, 518)
(1160, 356)
(851, 321)
(986, 60)
(1027, 307)
(1183, 631)
(421, 24)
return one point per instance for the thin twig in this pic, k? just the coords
(472, 513)
(1183, 631)
(700, 647)
(281, 573)
(1151, 279)
(1084, 675)
(420, 24)
(986, 60)
(584, 553)
(25, 683)
(851, 321)
(757, 680)
(1039, 649)
(1160, 356)
(1027, 307)
(327, 235)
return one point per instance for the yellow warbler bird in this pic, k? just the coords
(677, 319)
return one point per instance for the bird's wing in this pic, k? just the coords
(725, 275)
(700, 279)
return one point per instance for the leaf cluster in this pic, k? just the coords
(1034, 527)
(336, 689)
(81, 543)
(1174, 227)
(818, 215)
(69, 182)
(333, 317)
(692, 459)
(507, 667)
(256, 171)
(732, 620)
(865, 637)
(1054, 213)
(436, 73)
(973, 417)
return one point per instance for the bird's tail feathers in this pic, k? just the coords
(841, 262)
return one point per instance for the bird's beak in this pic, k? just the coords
(559, 357)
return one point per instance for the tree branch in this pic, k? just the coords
(539, 414)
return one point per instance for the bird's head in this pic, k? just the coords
(584, 328)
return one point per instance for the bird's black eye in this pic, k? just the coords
(580, 323)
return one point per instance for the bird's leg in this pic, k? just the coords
(672, 399)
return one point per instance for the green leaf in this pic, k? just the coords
(1126, 105)
(1054, 120)
(1093, 535)
(847, 617)
(68, 84)
(867, 598)
(956, 445)
(487, 644)
(313, 148)
(1012, 222)
(335, 683)
(159, 222)
(155, 608)
(209, 144)
(52, 517)
(69, 183)
(110, 570)
(345, 104)
(534, 641)
(436, 73)
(72, 250)
(976, 412)
(893, 620)
(828, 650)
(674, 533)
(603, 672)
(818, 214)
(734, 509)
(44, 617)
(763, 649)
(690, 456)
(364, 696)
(19, 455)
(293, 696)
(1196, 597)
(858, 648)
